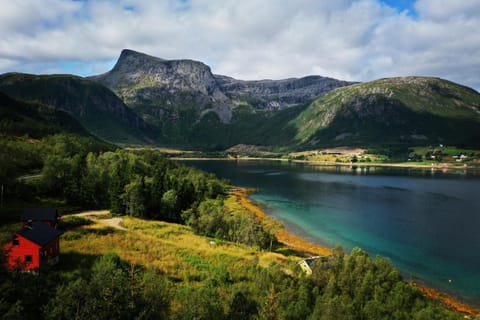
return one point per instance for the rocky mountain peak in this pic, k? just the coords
(141, 70)
(131, 60)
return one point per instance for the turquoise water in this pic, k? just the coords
(427, 223)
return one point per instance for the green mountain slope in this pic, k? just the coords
(31, 132)
(411, 110)
(35, 120)
(98, 109)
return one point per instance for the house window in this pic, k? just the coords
(15, 241)
(28, 259)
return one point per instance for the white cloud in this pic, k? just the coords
(448, 9)
(249, 39)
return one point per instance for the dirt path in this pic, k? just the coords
(99, 217)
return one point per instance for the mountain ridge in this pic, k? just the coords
(181, 103)
(141, 79)
(99, 110)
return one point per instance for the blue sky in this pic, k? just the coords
(346, 39)
(402, 5)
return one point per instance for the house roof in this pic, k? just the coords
(39, 233)
(37, 214)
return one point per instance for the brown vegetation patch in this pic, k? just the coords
(449, 301)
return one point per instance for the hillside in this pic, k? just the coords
(411, 111)
(100, 111)
(35, 120)
(29, 132)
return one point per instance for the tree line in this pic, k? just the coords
(142, 184)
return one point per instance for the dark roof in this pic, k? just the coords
(39, 233)
(38, 214)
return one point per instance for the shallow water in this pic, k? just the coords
(427, 223)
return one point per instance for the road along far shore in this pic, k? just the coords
(307, 248)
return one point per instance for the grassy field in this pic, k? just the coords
(172, 248)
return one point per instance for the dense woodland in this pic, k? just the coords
(81, 173)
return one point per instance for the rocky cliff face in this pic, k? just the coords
(158, 88)
(141, 70)
(278, 94)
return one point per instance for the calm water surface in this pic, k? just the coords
(427, 224)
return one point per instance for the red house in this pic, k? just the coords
(49, 216)
(35, 247)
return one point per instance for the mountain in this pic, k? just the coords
(158, 88)
(410, 110)
(139, 78)
(183, 97)
(181, 103)
(98, 109)
(35, 120)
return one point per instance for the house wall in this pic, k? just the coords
(17, 253)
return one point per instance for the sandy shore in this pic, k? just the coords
(310, 249)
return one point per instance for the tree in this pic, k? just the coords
(169, 204)
(134, 198)
(270, 305)
(241, 307)
(56, 173)
(105, 296)
(70, 302)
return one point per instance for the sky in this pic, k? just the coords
(356, 40)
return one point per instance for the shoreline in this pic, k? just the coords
(434, 166)
(283, 236)
(308, 248)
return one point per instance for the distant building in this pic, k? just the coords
(35, 247)
(49, 216)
